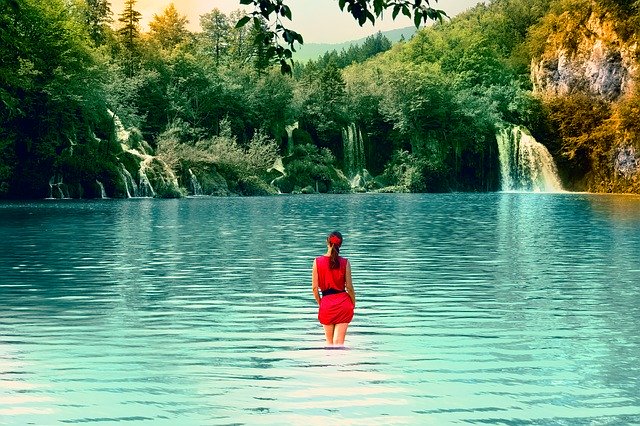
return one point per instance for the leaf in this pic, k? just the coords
(396, 10)
(285, 68)
(341, 3)
(246, 1)
(243, 21)
(286, 12)
(417, 18)
(441, 15)
(378, 6)
(270, 9)
(370, 16)
(266, 11)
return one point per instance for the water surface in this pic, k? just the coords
(472, 309)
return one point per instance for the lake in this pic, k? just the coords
(500, 308)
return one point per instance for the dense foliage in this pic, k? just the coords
(53, 104)
(421, 115)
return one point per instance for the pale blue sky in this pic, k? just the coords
(319, 21)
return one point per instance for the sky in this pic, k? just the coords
(319, 21)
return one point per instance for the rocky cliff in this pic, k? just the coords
(585, 58)
(590, 57)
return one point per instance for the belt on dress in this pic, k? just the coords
(329, 291)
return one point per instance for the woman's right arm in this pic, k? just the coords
(348, 284)
(314, 282)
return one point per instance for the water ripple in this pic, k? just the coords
(472, 308)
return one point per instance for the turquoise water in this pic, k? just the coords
(472, 309)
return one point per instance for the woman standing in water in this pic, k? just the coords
(333, 290)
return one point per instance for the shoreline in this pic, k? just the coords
(357, 193)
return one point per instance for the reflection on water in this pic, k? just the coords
(472, 308)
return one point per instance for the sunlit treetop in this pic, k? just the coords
(270, 13)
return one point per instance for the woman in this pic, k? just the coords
(332, 276)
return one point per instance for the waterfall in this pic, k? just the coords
(56, 181)
(196, 188)
(525, 164)
(122, 134)
(129, 184)
(162, 176)
(61, 191)
(146, 190)
(289, 129)
(126, 184)
(51, 183)
(353, 146)
(103, 193)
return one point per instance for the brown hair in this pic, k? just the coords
(334, 240)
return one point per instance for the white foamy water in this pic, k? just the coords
(525, 164)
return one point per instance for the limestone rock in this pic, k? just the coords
(596, 60)
(627, 161)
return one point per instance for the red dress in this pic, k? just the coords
(337, 307)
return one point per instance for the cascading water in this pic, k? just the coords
(354, 160)
(103, 193)
(525, 164)
(149, 165)
(146, 190)
(57, 182)
(121, 132)
(51, 183)
(289, 129)
(129, 184)
(196, 188)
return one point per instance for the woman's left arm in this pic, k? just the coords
(314, 282)
(348, 284)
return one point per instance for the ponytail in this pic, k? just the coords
(334, 262)
(335, 241)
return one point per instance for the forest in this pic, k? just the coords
(92, 106)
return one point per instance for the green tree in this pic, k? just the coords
(169, 28)
(323, 106)
(216, 33)
(193, 95)
(270, 101)
(129, 34)
(98, 16)
(130, 30)
(239, 38)
(262, 49)
(371, 46)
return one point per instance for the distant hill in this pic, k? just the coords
(314, 50)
